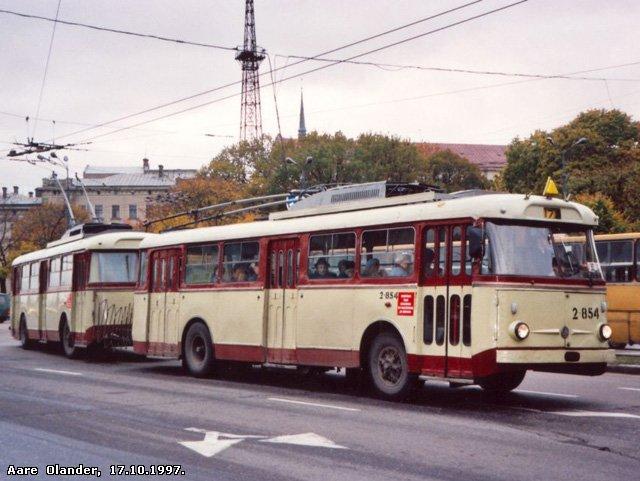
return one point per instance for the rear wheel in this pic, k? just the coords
(388, 369)
(67, 340)
(198, 351)
(25, 342)
(503, 382)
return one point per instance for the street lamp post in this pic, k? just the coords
(565, 174)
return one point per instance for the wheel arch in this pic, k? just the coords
(372, 330)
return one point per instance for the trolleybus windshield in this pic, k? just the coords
(113, 267)
(540, 251)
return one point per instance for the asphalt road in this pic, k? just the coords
(256, 424)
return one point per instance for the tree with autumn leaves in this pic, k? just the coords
(33, 231)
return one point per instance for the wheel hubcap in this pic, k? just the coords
(199, 349)
(390, 365)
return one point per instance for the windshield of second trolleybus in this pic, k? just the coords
(540, 251)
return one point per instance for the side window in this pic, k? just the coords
(388, 253)
(429, 257)
(638, 260)
(466, 320)
(240, 262)
(332, 256)
(616, 259)
(440, 313)
(442, 251)
(142, 271)
(289, 267)
(34, 283)
(427, 335)
(54, 272)
(170, 273)
(202, 265)
(454, 320)
(67, 271)
(468, 262)
(24, 278)
(272, 269)
(456, 251)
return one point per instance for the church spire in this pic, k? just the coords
(302, 129)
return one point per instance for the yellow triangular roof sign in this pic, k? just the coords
(550, 188)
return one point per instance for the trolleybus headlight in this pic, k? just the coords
(605, 332)
(519, 330)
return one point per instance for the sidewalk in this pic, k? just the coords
(627, 361)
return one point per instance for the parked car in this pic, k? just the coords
(5, 304)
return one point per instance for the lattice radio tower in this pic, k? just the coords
(250, 56)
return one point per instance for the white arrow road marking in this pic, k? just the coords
(55, 371)
(630, 388)
(594, 414)
(306, 439)
(211, 444)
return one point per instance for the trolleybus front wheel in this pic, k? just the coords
(503, 382)
(198, 351)
(25, 342)
(388, 369)
(67, 340)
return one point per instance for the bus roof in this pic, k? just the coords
(110, 241)
(517, 207)
(623, 236)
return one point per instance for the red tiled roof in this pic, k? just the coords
(486, 157)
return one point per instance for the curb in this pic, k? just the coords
(624, 368)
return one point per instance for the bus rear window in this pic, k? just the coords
(113, 267)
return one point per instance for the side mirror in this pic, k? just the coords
(474, 240)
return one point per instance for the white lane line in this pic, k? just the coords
(319, 405)
(593, 414)
(547, 393)
(56, 371)
(630, 388)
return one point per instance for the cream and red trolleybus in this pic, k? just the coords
(468, 287)
(79, 290)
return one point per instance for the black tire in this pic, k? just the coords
(503, 382)
(198, 355)
(23, 335)
(617, 345)
(67, 343)
(387, 368)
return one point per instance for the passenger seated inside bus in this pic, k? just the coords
(402, 265)
(322, 270)
(239, 273)
(346, 269)
(372, 268)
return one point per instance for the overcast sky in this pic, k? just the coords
(95, 77)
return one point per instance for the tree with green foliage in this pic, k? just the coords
(607, 163)
(453, 172)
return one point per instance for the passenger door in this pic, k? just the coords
(446, 275)
(283, 300)
(164, 303)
